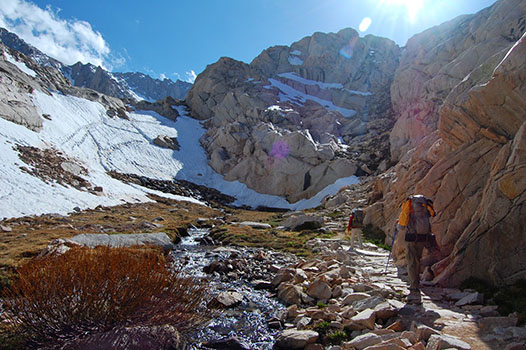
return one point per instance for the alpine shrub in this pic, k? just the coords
(87, 291)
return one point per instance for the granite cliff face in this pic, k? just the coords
(459, 95)
(299, 118)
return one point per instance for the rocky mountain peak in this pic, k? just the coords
(334, 86)
(131, 86)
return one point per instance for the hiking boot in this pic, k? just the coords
(414, 296)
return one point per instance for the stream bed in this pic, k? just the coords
(246, 323)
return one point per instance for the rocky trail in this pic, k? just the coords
(353, 291)
(334, 299)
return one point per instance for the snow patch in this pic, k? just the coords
(82, 129)
(289, 94)
(296, 53)
(20, 65)
(295, 61)
(299, 79)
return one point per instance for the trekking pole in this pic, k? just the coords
(392, 246)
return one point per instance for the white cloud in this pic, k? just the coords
(69, 41)
(162, 76)
(190, 76)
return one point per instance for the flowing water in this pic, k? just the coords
(246, 322)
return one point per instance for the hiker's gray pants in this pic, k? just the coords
(413, 256)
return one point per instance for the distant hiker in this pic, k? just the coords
(414, 220)
(354, 228)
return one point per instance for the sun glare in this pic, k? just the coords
(413, 7)
(364, 25)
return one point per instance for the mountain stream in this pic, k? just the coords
(247, 322)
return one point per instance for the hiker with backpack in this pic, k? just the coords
(354, 228)
(414, 220)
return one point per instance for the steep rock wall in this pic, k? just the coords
(470, 157)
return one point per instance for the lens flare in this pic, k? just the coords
(348, 50)
(280, 149)
(364, 24)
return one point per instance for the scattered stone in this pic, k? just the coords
(228, 299)
(418, 346)
(365, 319)
(4, 228)
(363, 341)
(303, 222)
(351, 298)
(516, 346)
(303, 322)
(438, 342)
(397, 326)
(295, 339)
(489, 323)
(489, 311)
(319, 289)
(260, 284)
(167, 142)
(290, 294)
(368, 303)
(472, 298)
(257, 225)
(423, 332)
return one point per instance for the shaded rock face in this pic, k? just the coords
(298, 118)
(472, 158)
(435, 61)
(133, 86)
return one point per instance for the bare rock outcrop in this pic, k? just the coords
(438, 59)
(299, 118)
(20, 76)
(472, 158)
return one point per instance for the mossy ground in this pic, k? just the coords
(509, 299)
(31, 234)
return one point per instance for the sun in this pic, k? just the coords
(413, 7)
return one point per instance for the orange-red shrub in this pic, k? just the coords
(94, 290)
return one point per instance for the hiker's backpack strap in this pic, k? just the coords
(405, 214)
(429, 207)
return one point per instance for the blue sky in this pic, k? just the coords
(168, 38)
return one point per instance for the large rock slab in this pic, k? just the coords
(123, 240)
(295, 339)
(439, 342)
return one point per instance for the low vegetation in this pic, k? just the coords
(286, 241)
(31, 234)
(375, 236)
(86, 291)
(509, 299)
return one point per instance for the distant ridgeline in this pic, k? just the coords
(134, 86)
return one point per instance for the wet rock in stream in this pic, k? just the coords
(239, 279)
